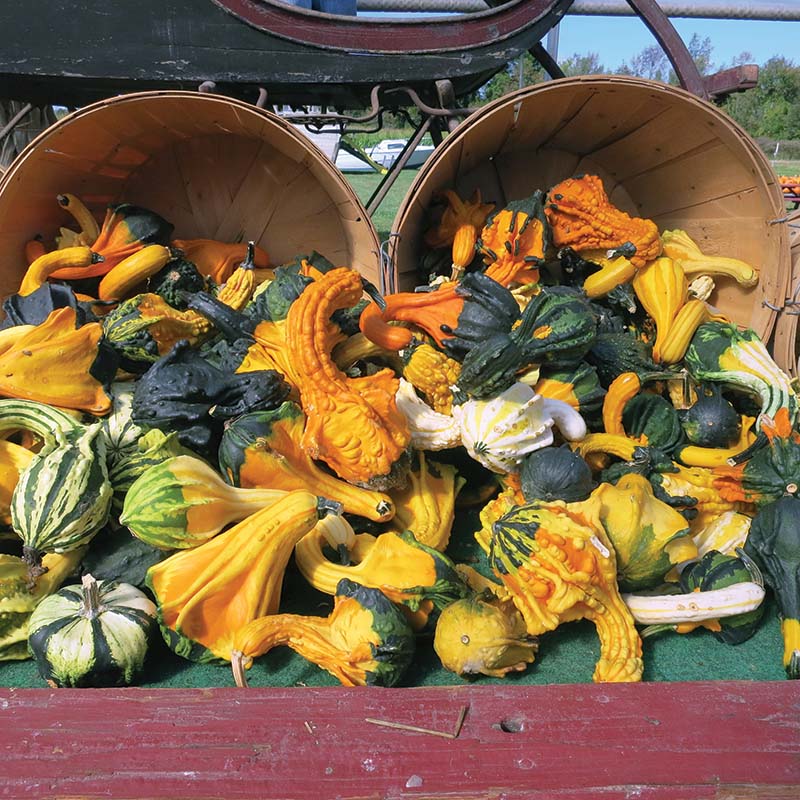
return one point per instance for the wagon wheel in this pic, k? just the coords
(785, 342)
(689, 77)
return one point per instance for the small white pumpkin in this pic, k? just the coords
(500, 432)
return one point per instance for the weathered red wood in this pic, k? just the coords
(646, 741)
(394, 35)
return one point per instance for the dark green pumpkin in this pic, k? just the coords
(653, 416)
(491, 367)
(555, 473)
(562, 330)
(614, 352)
(712, 421)
(718, 571)
(96, 634)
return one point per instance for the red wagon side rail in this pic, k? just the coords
(644, 741)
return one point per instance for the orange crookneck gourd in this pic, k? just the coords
(512, 243)
(417, 577)
(219, 260)
(558, 568)
(582, 217)
(13, 459)
(353, 424)
(53, 363)
(459, 227)
(365, 640)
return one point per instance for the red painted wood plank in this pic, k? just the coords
(648, 741)
(399, 35)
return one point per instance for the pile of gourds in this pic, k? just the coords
(182, 421)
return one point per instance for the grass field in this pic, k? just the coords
(786, 167)
(365, 184)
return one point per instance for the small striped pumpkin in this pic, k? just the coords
(95, 634)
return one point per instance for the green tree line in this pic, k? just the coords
(769, 111)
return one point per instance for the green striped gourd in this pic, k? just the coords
(182, 502)
(62, 499)
(95, 634)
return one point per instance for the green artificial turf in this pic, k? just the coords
(567, 655)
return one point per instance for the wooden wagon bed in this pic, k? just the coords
(57, 51)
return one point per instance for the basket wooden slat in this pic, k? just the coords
(661, 152)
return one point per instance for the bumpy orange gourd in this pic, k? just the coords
(353, 424)
(582, 217)
(559, 568)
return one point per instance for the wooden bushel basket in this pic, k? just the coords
(214, 167)
(662, 154)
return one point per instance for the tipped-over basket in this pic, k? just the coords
(214, 167)
(662, 154)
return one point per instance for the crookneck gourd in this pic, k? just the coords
(559, 568)
(13, 460)
(459, 226)
(18, 598)
(365, 641)
(418, 577)
(481, 635)
(680, 246)
(426, 506)
(353, 424)
(582, 217)
(207, 593)
(218, 260)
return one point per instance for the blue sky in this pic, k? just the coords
(617, 39)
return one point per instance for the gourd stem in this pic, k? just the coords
(237, 665)
(33, 558)
(91, 597)
(250, 259)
